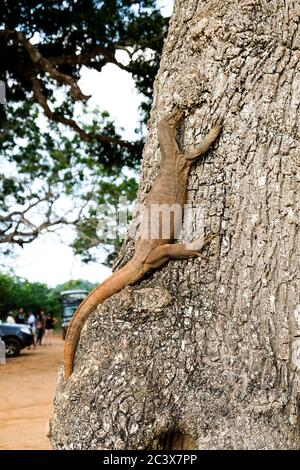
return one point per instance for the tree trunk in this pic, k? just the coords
(206, 354)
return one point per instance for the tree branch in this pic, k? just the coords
(25, 231)
(57, 117)
(47, 66)
(86, 58)
(20, 237)
(44, 64)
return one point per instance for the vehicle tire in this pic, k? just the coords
(12, 347)
(64, 333)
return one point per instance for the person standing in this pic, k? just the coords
(49, 327)
(39, 328)
(31, 322)
(21, 317)
(10, 318)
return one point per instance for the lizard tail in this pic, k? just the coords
(113, 284)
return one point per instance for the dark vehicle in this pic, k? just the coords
(15, 337)
(70, 299)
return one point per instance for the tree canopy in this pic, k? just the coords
(44, 46)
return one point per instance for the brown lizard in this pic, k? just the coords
(169, 188)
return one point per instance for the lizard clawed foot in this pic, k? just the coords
(200, 243)
(175, 118)
(190, 250)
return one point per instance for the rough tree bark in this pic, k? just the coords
(207, 354)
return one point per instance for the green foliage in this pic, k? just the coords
(53, 170)
(16, 292)
(88, 237)
(74, 284)
(75, 33)
(59, 173)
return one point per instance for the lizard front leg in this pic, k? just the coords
(202, 148)
(163, 253)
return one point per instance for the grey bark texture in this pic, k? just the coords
(209, 351)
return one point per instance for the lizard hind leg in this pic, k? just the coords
(190, 250)
(163, 253)
(157, 257)
(182, 251)
(200, 243)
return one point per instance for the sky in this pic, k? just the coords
(48, 259)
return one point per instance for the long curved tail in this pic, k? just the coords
(113, 284)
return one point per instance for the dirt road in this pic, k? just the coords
(27, 387)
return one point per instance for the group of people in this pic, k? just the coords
(42, 325)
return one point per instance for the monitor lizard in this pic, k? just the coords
(168, 188)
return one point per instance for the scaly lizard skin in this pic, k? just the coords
(169, 188)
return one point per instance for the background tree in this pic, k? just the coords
(16, 292)
(52, 179)
(206, 354)
(44, 47)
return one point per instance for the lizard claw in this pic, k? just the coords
(199, 243)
